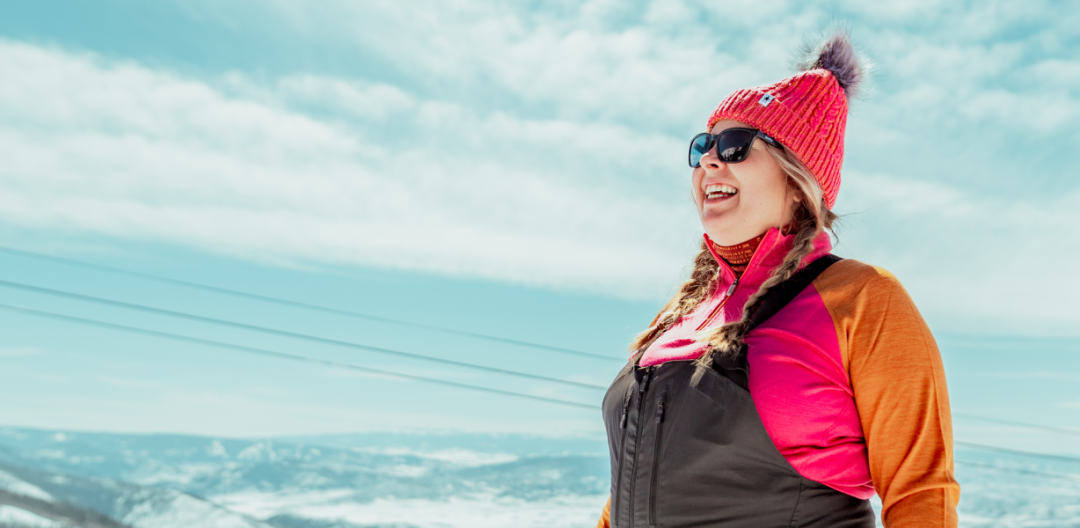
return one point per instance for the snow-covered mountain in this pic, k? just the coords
(75, 500)
(49, 478)
(382, 480)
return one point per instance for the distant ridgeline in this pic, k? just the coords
(378, 480)
(51, 479)
(35, 512)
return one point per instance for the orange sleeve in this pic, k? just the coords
(899, 384)
(605, 516)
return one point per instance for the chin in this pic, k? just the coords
(718, 228)
(721, 236)
(727, 234)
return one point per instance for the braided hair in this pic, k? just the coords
(701, 284)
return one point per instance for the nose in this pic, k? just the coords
(710, 161)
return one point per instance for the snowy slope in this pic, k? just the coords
(128, 504)
(413, 480)
(13, 517)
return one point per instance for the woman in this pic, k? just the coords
(781, 386)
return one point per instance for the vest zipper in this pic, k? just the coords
(716, 311)
(656, 458)
(625, 408)
(622, 451)
(633, 463)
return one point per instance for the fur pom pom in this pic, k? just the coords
(836, 54)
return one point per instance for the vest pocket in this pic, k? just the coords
(656, 456)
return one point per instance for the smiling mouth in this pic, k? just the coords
(715, 190)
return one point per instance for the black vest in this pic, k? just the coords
(689, 449)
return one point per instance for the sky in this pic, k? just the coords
(507, 168)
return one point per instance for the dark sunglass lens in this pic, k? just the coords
(698, 147)
(734, 145)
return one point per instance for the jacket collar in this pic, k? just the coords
(770, 254)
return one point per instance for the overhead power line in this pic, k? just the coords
(1059, 430)
(285, 333)
(1017, 470)
(298, 304)
(371, 370)
(996, 449)
(281, 355)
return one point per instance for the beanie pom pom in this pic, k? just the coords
(837, 55)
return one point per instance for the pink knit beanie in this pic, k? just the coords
(807, 112)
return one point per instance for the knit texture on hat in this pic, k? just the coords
(806, 112)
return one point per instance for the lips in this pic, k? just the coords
(719, 190)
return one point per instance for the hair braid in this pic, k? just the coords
(728, 339)
(702, 281)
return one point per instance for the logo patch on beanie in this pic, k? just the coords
(766, 99)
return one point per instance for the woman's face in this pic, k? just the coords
(748, 197)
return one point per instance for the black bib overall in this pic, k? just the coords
(689, 449)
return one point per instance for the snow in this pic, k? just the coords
(16, 485)
(428, 483)
(217, 449)
(179, 475)
(20, 518)
(457, 456)
(263, 505)
(1048, 498)
(179, 510)
(459, 512)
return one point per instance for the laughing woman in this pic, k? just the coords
(781, 386)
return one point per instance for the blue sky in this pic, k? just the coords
(508, 168)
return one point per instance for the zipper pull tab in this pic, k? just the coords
(645, 381)
(731, 290)
(660, 411)
(626, 407)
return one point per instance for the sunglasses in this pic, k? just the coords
(732, 145)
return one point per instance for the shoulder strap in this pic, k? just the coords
(785, 292)
(774, 301)
(736, 368)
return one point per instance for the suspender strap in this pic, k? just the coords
(774, 301)
(785, 292)
(736, 368)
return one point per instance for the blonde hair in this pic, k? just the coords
(812, 216)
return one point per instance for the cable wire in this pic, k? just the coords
(280, 355)
(297, 357)
(298, 304)
(984, 447)
(1059, 430)
(1017, 470)
(284, 333)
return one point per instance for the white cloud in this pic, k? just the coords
(142, 154)
(573, 59)
(997, 265)
(546, 147)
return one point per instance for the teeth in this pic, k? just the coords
(717, 190)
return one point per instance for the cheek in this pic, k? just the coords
(695, 185)
(778, 186)
(767, 184)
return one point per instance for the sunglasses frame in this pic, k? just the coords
(715, 138)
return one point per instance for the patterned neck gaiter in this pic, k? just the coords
(739, 255)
